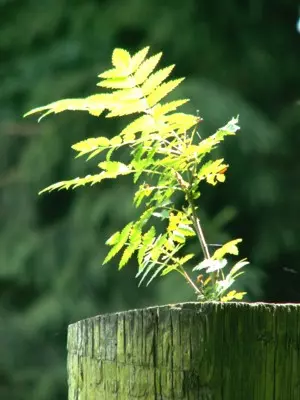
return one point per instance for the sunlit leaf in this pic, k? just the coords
(91, 144)
(233, 295)
(122, 239)
(238, 266)
(115, 167)
(147, 240)
(162, 91)
(121, 59)
(211, 265)
(146, 68)
(162, 109)
(135, 238)
(228, 248)
(113, 239)
(138, 58)
(156, 79)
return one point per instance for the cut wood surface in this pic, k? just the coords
(194, 351)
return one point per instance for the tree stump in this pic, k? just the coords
(199, 351)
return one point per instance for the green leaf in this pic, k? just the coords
(237, 267)
(177, 236)
(147, 240)
(164, 214)
(156, 250)
(113, 239)
(146, 216)
(222, 286)
(156, 272)
(109, 153)
(145, 270)
(169, 268)
(185, 259)
(128, 252)
(210, 167)
(134, 242)
(120, 244)
(186, 230)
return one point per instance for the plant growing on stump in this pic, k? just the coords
(167, 157)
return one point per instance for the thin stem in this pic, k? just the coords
(199, 231)
(198, 228)
(181, 270)
(189, 280)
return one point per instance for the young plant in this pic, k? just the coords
(167, 157)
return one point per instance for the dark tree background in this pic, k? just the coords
(239, 57)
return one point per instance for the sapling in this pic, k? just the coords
(167, 158)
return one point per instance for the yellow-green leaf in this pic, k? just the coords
(233, 295)
(138, 58)
(116, 141)
(146, 68)
(186, 230)
(185, 259)
(115, 167)
(177, 236)
(221, 177)
(117, 83)
(91, 144)
(121, 59)
(114, 74)
(228, 248)
(143, 123)
(162, 91)
(120, 244)
(162, 109)
(147, 240)
(113, 239)
(127, 108)
(156, 79)
(73, 183)
(135, 238)
(94, 104)
(181, 121)
(124, 95)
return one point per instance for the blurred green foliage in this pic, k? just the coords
(240, 58)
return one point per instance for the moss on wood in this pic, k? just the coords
(194, 351)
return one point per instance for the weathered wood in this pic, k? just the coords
(194, 351)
